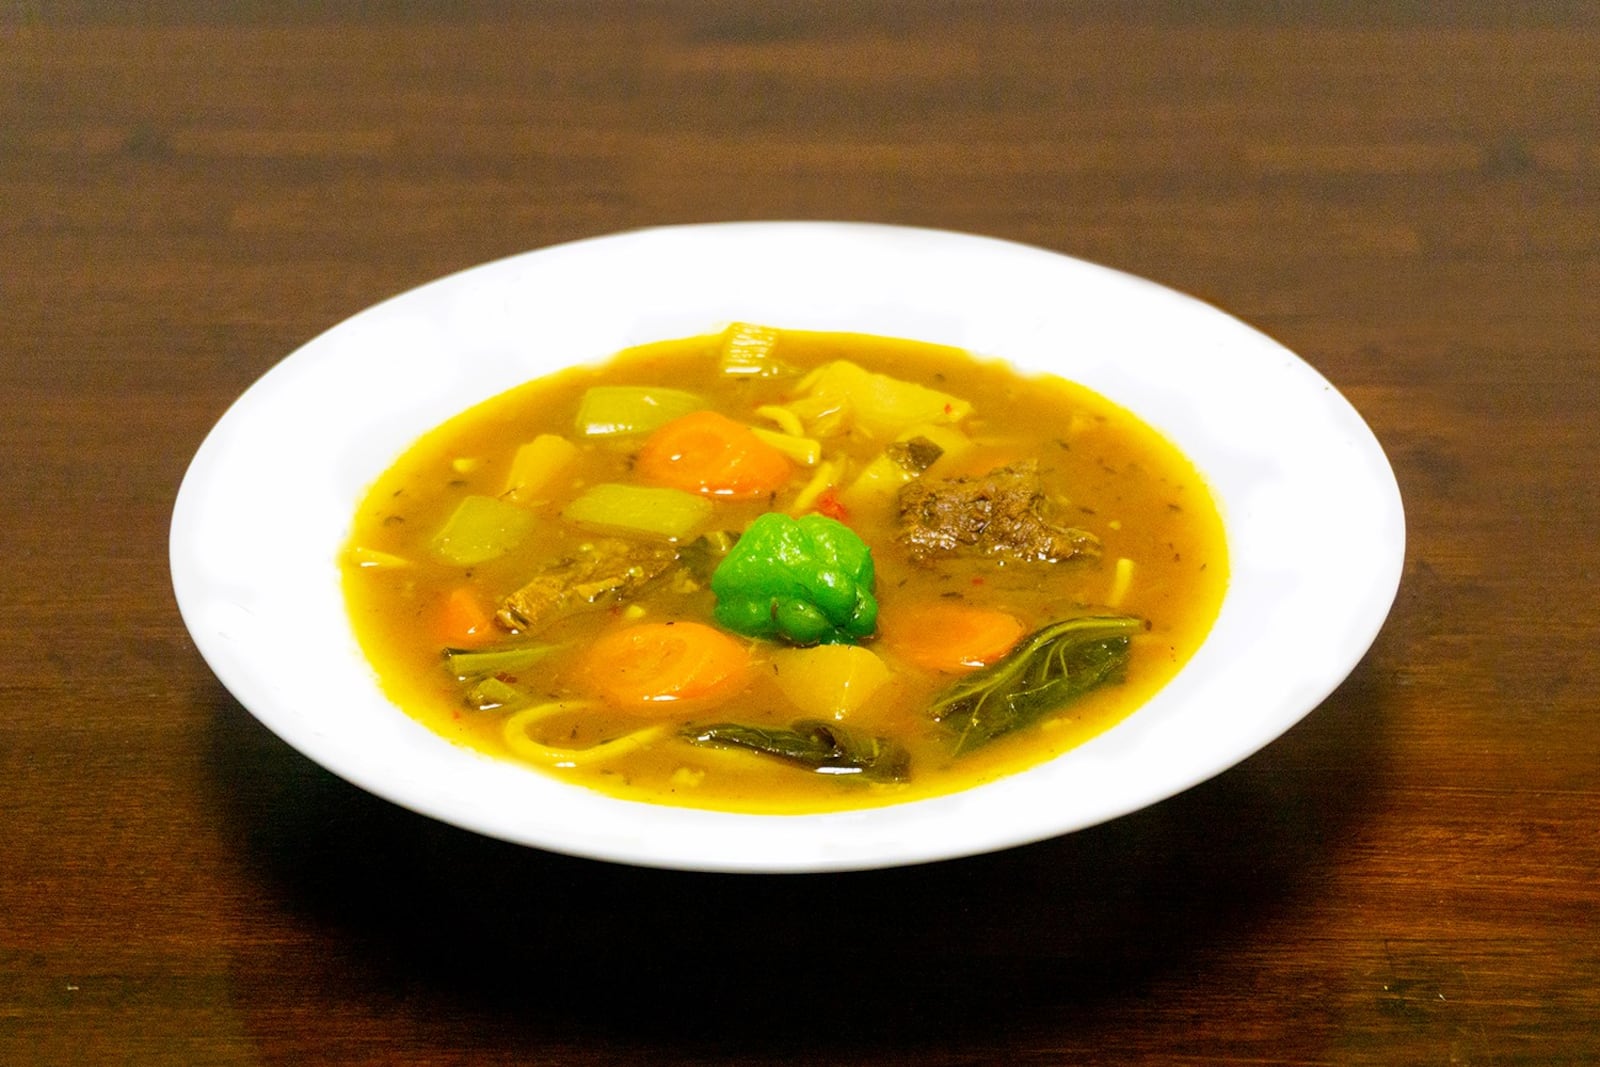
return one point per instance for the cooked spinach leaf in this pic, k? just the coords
(465, 664)
(824, 747)
(1049, 668)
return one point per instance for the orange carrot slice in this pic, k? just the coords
(711, 454)
(464, 622)
(948, 635)
(664, 664)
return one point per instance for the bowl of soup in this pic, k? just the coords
(785, 546)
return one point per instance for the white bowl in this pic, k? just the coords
(1313, 516)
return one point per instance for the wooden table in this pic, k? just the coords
(1408, 197)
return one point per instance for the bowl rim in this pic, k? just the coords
(454, 337)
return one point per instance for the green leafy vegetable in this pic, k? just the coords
(1046, 670)
(465, 664)
(807, 580)
(823, 747)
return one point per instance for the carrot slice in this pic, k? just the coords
(705, 452)
(949, 636)
(464, 622)
(666, 663)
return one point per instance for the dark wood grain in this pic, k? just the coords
(1408, 195)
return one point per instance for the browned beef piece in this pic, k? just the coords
(599, 571)
(1004, 513)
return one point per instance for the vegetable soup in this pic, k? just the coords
(782, 571)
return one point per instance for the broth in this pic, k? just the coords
(423, 572)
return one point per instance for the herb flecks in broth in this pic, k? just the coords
(772, 570)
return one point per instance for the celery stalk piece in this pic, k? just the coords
(467, 663)
(480, 529)
(490, 693)
(611, 410)
(616, 508)
(748, 350)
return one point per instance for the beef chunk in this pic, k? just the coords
(1003, 513)
(601, 570)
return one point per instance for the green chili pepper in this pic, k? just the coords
(807, 581)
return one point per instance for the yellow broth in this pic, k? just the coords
(1103, 469)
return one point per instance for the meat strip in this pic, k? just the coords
(600, 570)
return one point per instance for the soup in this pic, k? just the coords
(783, 571)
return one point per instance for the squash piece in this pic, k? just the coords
(878, 405)
(614, 507)
(910, 456)
(536, 465)
(620, 410)
(481, 528)
(829, 681)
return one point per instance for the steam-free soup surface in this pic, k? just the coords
(784, 571)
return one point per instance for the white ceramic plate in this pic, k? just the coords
(1315, 527)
